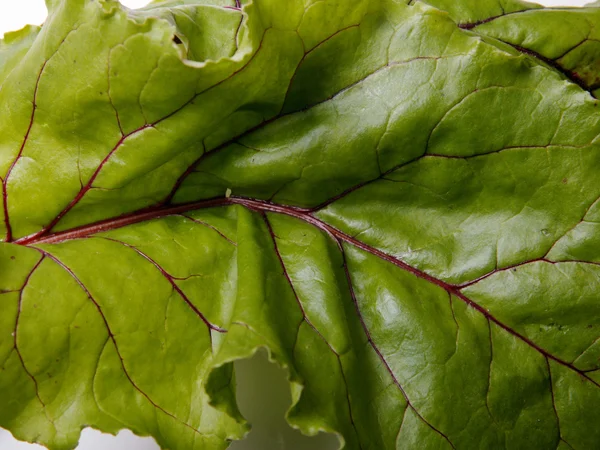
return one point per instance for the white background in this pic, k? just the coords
(14, 15)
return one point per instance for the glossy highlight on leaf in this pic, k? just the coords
(397, 199)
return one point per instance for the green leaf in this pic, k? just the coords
(469, 11)
(576, 55)
(398, 200)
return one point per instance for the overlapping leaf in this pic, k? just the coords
(399, 201)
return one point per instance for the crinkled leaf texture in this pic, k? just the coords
(399, 200)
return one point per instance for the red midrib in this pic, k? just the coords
(303, 214)
(85, 189)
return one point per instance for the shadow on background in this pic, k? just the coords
(263, 396)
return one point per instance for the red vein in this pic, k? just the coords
(367, 182)
(19, 154)
(237, 31)
(48, 228)
(15, 334)
(521, 337)
(84, 190)
(403, 415)
(554, 402)
(306, 319)
(237, 7)
(471, 25)
(521, 264)
(291, 284)
(382, 175)
(307, 216)
(168, 199)
(115, 223)
(289, 280)
(348, 401)
(112, 338)
(499, 270)
(569, 74)
(306, 53)
(582, 220)
(583, 353)
(195, 96)
(574, 47)
(170, 279)
(110, 97)
(489, 380)
(192, 167)
(378, 351)
(208, 225)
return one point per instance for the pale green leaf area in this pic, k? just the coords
(398, 200)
